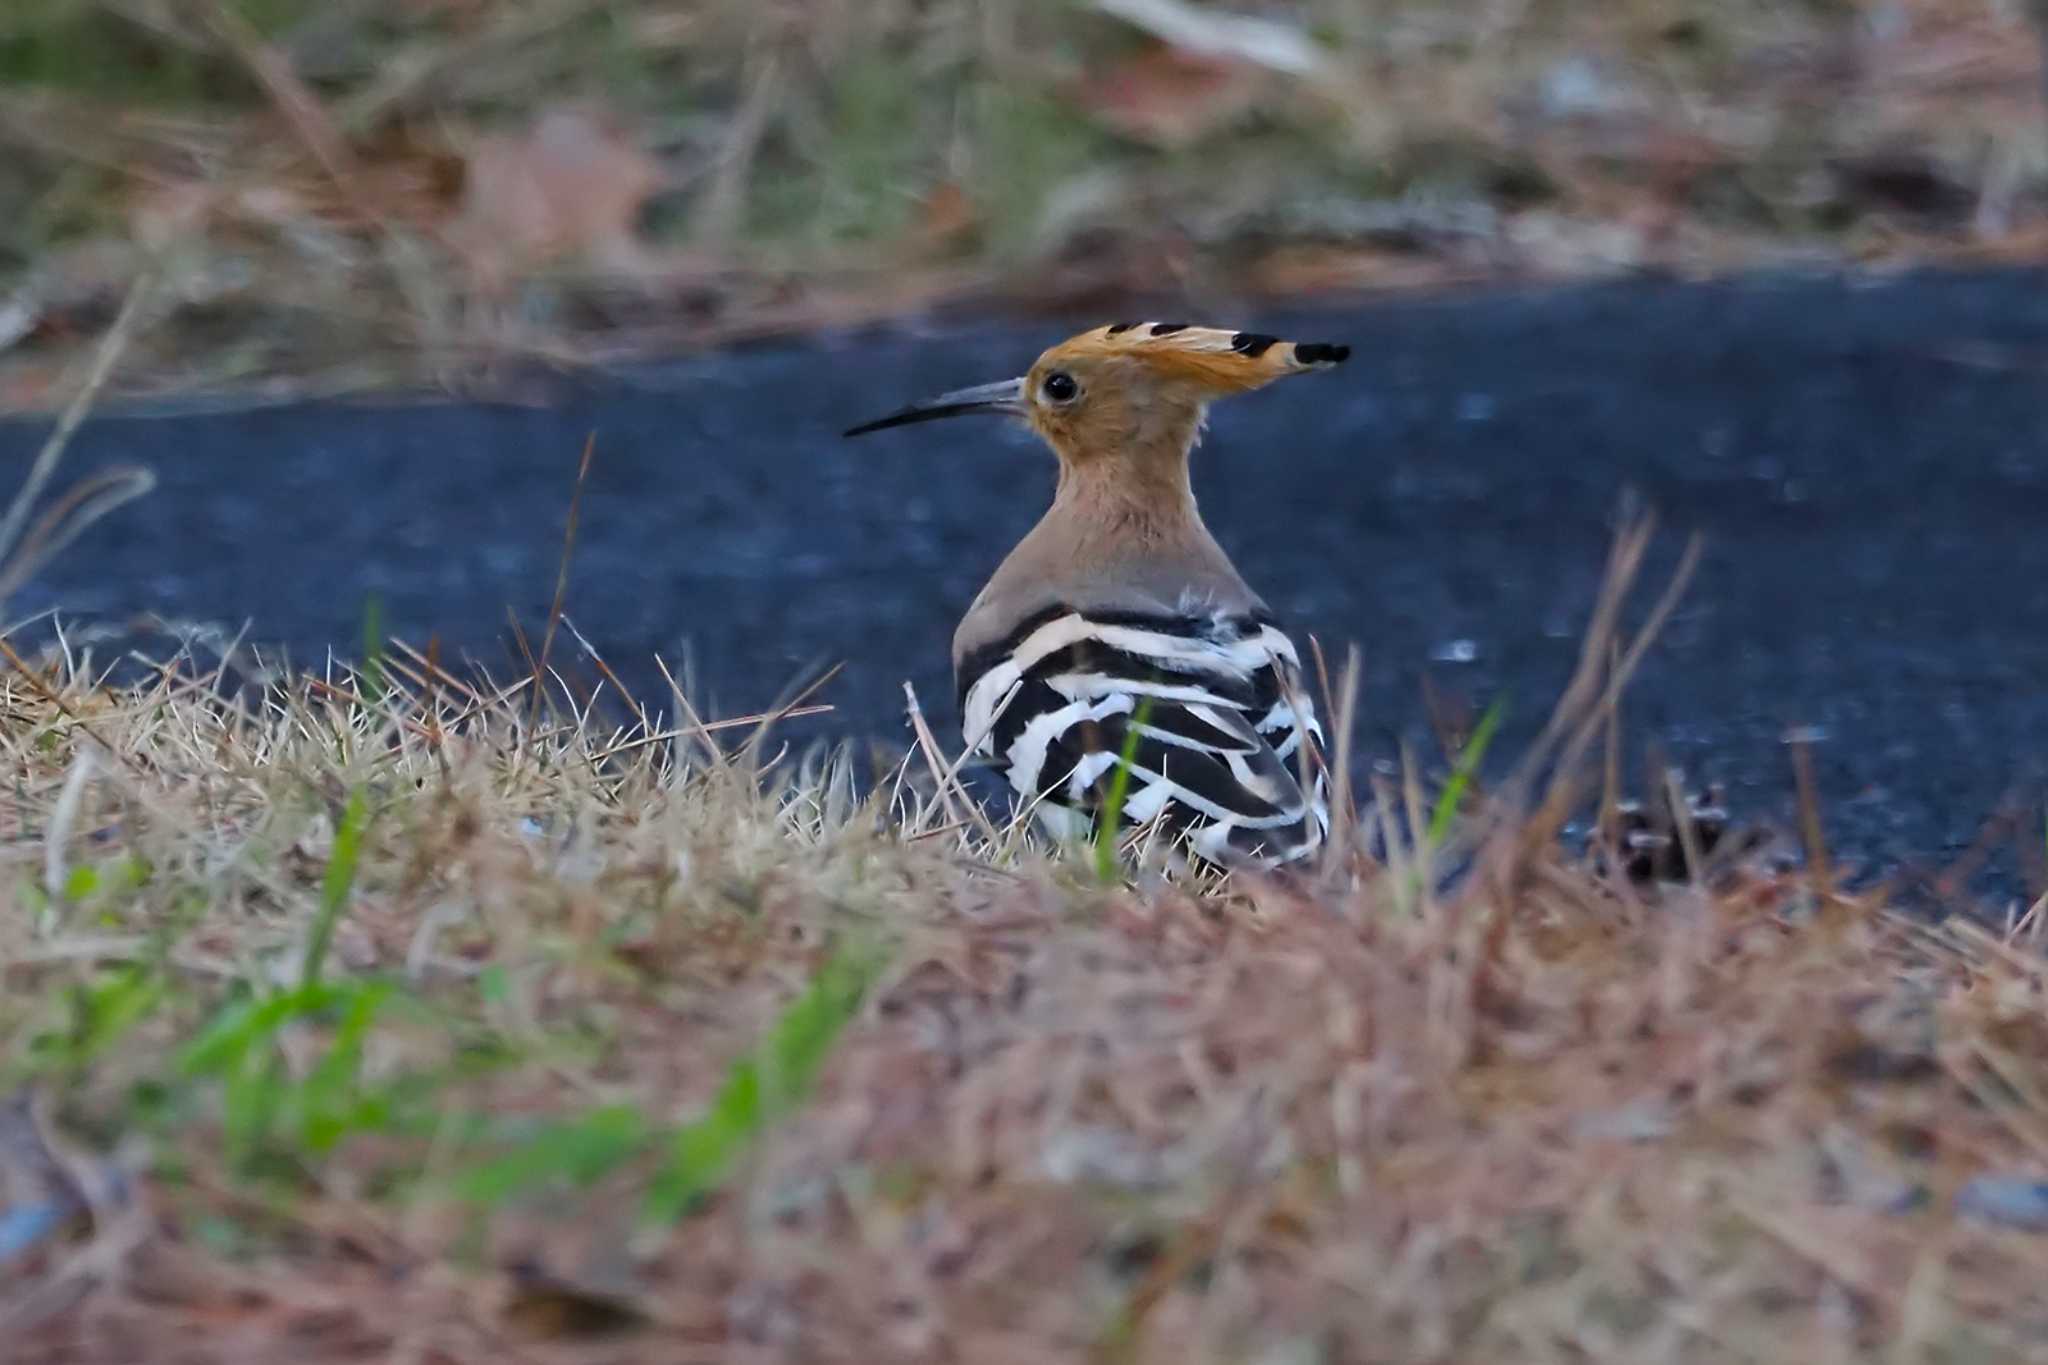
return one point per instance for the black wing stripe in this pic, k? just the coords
(1238, 688)
(984, 657)
(1200, 789)
(1205, 719)
(1196, 727)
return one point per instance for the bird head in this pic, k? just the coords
(1129, 387)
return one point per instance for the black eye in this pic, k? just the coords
(1059, 386)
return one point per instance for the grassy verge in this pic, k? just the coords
(444, 191)
(448, 1027)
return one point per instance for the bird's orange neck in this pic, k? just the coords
(1131, 495)
(1127, 462)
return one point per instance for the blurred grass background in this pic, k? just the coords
(339, 194)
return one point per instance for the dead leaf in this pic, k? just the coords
(1171, 97)
(946, 215)
(572, 185)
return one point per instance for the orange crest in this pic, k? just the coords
(1213, 360)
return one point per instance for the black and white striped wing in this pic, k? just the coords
(1218, 712)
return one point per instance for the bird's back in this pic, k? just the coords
(1206, 705)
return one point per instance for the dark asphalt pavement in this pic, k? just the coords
(1867, 459)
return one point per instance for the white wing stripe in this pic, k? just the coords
(1028, 750)
(1149, 801)
(1195, 801)
(1075, 686)
(1090, 767)
(1190, 653)
(979, 724)
(1241, 656)
(1178, 740)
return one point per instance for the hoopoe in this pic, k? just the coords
(1118, 624)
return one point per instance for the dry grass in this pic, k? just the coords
(386, 1019)
(457, 191)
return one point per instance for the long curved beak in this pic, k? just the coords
(1005, 397)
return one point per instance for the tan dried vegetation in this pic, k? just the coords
(390, 1015)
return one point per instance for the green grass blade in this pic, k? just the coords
(98, 1015)
(249, 1103)
(1109, 821)
(580, 1150)
(327, 1104)
(372, 671)
(239, 1027)
(335, 886)
(765, 1085)
(1470, 754)
(240, 1048)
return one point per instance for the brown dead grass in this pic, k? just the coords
(1483, 1104)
